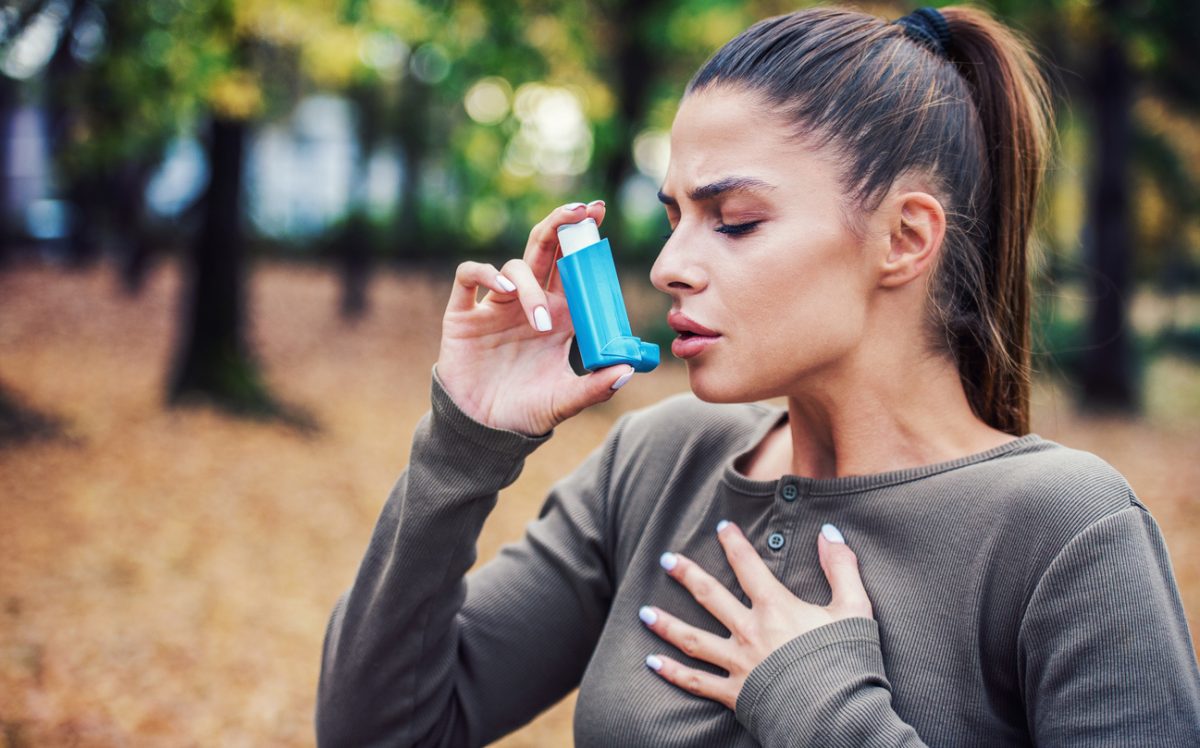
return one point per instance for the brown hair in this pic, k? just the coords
(977, 122)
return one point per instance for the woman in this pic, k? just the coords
(892, 559)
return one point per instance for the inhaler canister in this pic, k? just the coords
(589, 278)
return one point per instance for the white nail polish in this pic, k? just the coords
(654, 663)
(668, 560)
(832, 534)
(621, 382)
(541, 318)
(647, 615)
(722, 525)
(505, 283)
(573, 206)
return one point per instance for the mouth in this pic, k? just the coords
(688, 328)
(691, 343)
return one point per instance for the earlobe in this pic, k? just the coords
(917, 231)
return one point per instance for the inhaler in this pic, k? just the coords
(589, 278)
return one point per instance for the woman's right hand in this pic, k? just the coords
(495, 363)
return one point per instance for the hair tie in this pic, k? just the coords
(927, 26)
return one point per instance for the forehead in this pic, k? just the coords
(722, 131)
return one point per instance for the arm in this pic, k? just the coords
(825, 687)
(1104, 651)
(416, 655)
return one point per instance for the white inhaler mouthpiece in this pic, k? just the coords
(573, 237)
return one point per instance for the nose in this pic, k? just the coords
(675, 271)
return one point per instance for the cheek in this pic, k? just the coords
(803, 319)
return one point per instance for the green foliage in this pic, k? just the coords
(458, 89)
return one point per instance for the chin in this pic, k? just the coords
(711, 387)
(738, 384)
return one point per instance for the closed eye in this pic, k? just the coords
(735, 229)
(738, 228)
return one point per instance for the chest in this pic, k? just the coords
(928, 595)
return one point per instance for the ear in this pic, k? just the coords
(918, 225)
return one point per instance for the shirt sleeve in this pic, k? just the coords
(1105, 655)
(415, 652)
(825, 687)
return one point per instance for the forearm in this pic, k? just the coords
(826, 687)
(383, 675)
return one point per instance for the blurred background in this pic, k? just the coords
(227, 235)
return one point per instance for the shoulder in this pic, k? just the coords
(1054, 492)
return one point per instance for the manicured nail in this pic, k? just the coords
(668, 560)
(541, 319)
(722, 525)
(647, 615)
(596, 202)
(573, 206)
(624, 378)
(832, 534)
(505, 283)
(654, 663)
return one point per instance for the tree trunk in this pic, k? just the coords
(1108, 366)
(634, 62)
(136, 244)
(214, 362)
(412, 132)
(8, 105)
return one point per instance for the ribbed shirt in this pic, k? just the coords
(1022, 596)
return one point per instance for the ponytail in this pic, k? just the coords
(973, 113)
(1013, 102)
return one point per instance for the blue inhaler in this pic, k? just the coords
(594, 299)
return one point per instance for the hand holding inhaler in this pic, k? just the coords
(504, 358)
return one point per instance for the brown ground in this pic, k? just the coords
(166, 575)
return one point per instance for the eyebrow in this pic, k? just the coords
(720, 187)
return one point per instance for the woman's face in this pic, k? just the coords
(758, 252)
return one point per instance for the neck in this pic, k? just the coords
(869, 417)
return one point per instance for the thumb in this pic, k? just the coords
(596, 387)
(841, 569)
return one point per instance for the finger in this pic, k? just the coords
(841, 569)
(543, 238)
(595, 210)
(693, 642)
(710, 593)
(596, 387)
(469, 276)
(695, 682)
(752, 572)
(532, 297)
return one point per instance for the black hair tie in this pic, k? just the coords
(927, 26)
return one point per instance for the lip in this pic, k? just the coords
(680, 322)
(693, 336)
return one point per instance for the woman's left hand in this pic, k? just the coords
(775, 618)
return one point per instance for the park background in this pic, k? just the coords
(227, 235)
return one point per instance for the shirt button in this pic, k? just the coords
(775, 541)
(789, 492)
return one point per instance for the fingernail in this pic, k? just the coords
(505, 283)
(623, 379)
(541, 319)
(573, 206)
(596, 202)
(653, 663)
(722, 525)
(668, 560)
(647, 615)
(832, 534)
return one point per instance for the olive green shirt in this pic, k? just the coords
(1022, 596)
